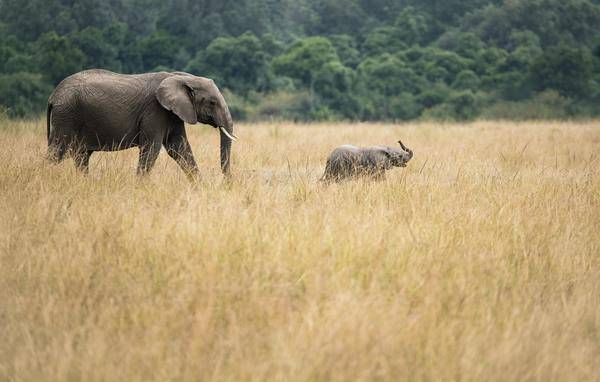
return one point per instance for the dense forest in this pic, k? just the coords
(321, 59)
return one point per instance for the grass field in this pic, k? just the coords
(479, 261)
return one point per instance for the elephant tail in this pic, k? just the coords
(48, 115)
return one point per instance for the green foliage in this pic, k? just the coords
(237, 63)
(338, 17)
(411, 25)
(465, 44)
(383, 40)
(97, 48)
(346, 49)
(389, 75)
(545, 105)
(336, 59)
(158, 49)
(435, 95)
(23, 94)
(58, 57)
(334, 83)
(463, 105)
(305, 57)
(404, 106)
(554, 21)
(567, 70)
(280, 105)
(435, 64)
(466, 79)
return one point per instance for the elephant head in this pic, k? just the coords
(197, 99)
(399, 158)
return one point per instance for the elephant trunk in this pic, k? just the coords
(409, 151)
(226, 138)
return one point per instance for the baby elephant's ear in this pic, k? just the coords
(174, 94)
(388, 152)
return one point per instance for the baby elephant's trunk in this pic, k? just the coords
(409, 151)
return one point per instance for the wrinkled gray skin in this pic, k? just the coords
(350, 161)
(98, 110)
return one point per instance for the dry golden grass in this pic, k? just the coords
(479, 261)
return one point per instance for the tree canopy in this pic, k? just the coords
(319, 59)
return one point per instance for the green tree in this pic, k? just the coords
(376, 59)
(338, 17)
(99, 51)
(383, 40)
(6, 54)
(58, 57)
(465, 44)
(404, 106)
(158, 49)
(411, 26)
(238, 63)
(346, 49)
(487, 61)
(434, 95)
(554, 21)
(23, 94)
(435, 64)
(271, 46)
(305, 57)
(464, 105)
(28, 19)
(334, 83)
(381, 80)
(567, 70)
(507, 72)
(466, 80)
(388, 75)
(314, 63)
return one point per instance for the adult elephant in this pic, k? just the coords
(98, 110)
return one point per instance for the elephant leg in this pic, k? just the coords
(326, 178)
(82, 160)
(331, 172)
(350, 170)
(148, 154)
(56, 152)
(179, 149)
(379, 176)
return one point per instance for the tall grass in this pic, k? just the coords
(479, 261)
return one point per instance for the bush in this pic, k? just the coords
(435, 95)
(567, 70)
(466, 80)
(405, 107)
(546, 105)
(460, 106)
(58, 57)
(282, 105)
(23, 94)
(463, 105)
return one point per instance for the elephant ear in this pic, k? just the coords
(174, 94)
(388, 152)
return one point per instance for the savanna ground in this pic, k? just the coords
(479, 261)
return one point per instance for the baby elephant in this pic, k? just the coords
(350, 161)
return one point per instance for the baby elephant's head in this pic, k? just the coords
(399, 158)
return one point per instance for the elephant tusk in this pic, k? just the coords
(232, 137)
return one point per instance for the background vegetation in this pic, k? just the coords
(321, 59)
(477, 262)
